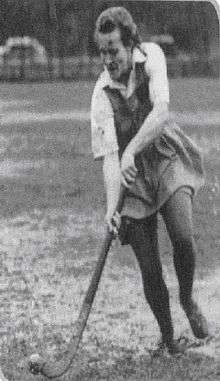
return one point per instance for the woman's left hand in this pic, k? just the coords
(128, 169)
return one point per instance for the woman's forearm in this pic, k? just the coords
(112, 180)
(150, 129)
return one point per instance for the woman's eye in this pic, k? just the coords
(113, 52)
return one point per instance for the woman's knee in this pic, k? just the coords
(184, 243)
(177, 215)
(184, 247)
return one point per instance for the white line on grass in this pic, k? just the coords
(189, 118)
(33, 117)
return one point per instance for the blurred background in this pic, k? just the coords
(53, 39)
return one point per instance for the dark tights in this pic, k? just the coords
(177, 215)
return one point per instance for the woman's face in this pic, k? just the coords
(115, 56)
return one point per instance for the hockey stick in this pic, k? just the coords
(37, 364)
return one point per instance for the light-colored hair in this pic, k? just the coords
(118, 18)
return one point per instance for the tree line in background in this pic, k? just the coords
(65, 27)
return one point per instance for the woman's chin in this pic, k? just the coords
(114, 76)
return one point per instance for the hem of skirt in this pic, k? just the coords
(123, 235)
(168, 195)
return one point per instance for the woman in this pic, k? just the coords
(143, 149)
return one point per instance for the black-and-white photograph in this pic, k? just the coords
(109, 190)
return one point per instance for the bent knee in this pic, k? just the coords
(184, 244)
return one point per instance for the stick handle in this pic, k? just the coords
(102, 256)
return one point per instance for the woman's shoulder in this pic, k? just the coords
(151, 48)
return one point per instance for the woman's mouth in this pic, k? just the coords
(112, 68)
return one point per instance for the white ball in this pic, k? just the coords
(35, 357)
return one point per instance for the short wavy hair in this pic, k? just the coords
(118, 18)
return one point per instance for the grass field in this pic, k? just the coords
(52, 210)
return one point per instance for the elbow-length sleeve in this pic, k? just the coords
(156, 68)
(103, 134)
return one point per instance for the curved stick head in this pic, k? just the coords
(38, 365)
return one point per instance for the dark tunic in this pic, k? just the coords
(171, 161)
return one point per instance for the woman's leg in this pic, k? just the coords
(177, 214)
(143, 240)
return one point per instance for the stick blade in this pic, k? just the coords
(51, 369)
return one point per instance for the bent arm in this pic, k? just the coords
(150, 129)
